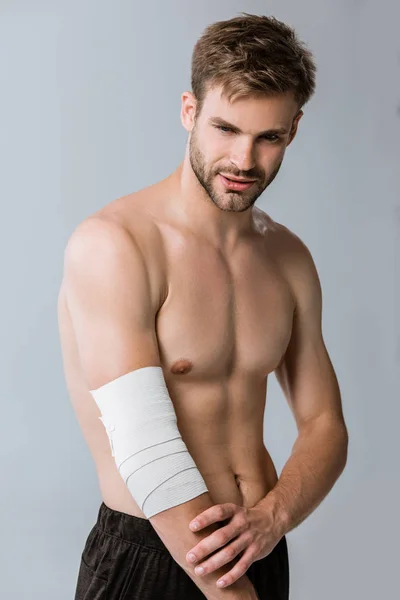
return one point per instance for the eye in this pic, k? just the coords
(222, 128)
(269, 138)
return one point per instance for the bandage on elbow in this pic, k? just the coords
(151, 456)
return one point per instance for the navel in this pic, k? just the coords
(181, 366)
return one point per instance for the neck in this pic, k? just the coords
(196, 211)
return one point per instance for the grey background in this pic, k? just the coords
(89, 110)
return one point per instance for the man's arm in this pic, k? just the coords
(108, 290)
(309, 383)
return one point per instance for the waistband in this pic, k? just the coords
(129, 528)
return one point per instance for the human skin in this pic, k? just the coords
(228, 296)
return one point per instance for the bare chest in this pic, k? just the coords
(223, 327)
(224, 317)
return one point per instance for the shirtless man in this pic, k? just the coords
(190, 276)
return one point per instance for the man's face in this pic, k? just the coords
(241, 152)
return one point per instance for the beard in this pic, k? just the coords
(227, 200)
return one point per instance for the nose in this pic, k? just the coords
(242, 155)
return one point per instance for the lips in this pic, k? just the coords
(238, 180)
(235, 185)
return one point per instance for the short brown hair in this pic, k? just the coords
(252, 55)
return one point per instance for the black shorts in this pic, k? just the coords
(125, 559)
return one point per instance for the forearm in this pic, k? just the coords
(241, 589)
(172, 526)
(318, 458)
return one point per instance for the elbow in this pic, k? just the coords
(337, 430)
(344, 445)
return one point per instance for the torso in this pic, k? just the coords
(223, 325)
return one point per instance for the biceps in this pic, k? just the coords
(108, 298)
(109, 347)
(307, 377)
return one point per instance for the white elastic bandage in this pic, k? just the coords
(148, 449)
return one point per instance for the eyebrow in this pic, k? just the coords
(219, 121)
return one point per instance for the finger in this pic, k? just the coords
(215, 513)
(224, 556)
(239, 569)
(215, 540)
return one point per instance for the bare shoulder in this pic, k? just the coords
(291, 253)
(130, 213)
(120, 232)
(97, 237)
(99, 251)
(278, 237)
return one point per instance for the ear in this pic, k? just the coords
(188, 110)
(294, 127)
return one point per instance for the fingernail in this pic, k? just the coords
(194, 525)
(220, 583)
(199, 570)
(191, 557)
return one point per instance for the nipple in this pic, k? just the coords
(181, 366)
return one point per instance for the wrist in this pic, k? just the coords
(239, 590)
(275, 508)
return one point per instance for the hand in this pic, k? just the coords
(252, 530)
